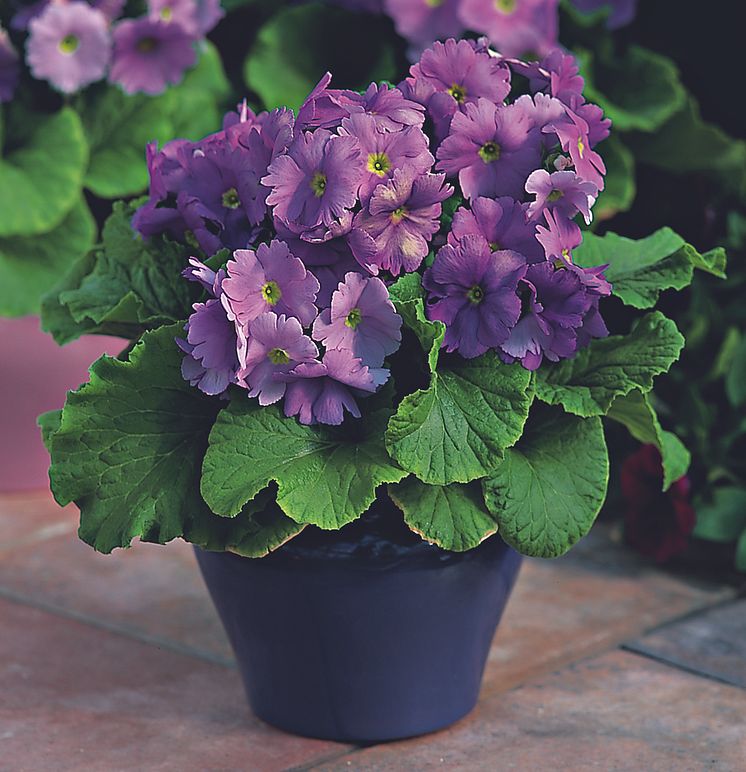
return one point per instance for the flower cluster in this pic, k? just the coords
(322, 211)
(73, 43)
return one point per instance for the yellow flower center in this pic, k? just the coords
(458, 92)
(475, 294)
(398, 215)
(278, 356)
(353, 318)
(489, 152)
(69, 44)
(231, 199)
(506, 6)
(581, 146)
(555, 195)
(271, 293)
(318, 184)
(167, 13)
(379, 164)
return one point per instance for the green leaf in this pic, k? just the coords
(619, 192)
(31, 265)
(130, 285)
(457, 429)
(634, 411)
(735, 379)
(638, 90)
(299, 44)
(714, 261)
(452, 516)
(612, 367)
(41, 173)
(550, 487)
(723, 518)
(741, 552)
(324, 476)
(49, 423)
(129, 449)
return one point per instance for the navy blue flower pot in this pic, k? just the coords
(358, 637)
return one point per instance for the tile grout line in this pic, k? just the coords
(110, 627)
(332, 756)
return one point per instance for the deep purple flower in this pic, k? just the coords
(69, 46)
(423, 21)
(493, 148)
(514, 27)
(622, 11)
(320, 392)
(503, 222)
(473, 291)
(197, 17)
(562, 192)
(362, 319)
(316, 180)
(9, 67)
(276, 344)
(268, 279)
(149, 55)
(386, 151)
(560, 237)
(388, 107)
(331, 276)
(323, 107)
(402, 217)
(556, 304)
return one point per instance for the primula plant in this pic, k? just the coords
(388, 294)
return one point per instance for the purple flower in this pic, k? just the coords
(268, 279)
(503, 222)
(402, 217)
(69, 46)
(202, 274)
(563, 192)
(492, 148)
(622, 11)
(149, 55)
(316, 180)
(386, 151)
(573, 134)
(473, 291)
(556, 305)
(362, 319)
(9, 67)
(197, 17)
(560, 238)
(276, 344)
(515, 27)
(323, 107)
(388, 107)
(423, 21)
(112, 9)
(211, 346)
(320, 392)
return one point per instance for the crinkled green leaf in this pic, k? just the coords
(129, 450)
(452, 516)
(49, 423)
(619, 190)
(635, 411)
(42, 164)
(300, 43)
(611, 367)
(457, 429)
(31, 265)
(723, 517)
(324, 476)
(130, 286)
(551, 485)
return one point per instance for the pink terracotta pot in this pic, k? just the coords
(35, 375)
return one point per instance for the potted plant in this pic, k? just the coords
(369, 368)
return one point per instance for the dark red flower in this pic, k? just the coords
(656, 523)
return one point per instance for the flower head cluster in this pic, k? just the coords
(73, 43)
(323, 211)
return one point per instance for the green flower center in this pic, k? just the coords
(506, 6)
(475, 294)
(318, 184)
(278, 356)
(146, 45)
(581, 146)
(398, 215)
(555, 195)
(489, 152)
(271, 292)
(69, 44)
(167, 13)
(379, 163)
(433, 3)
(458, 92)
(231, 199)
(494, 246)
(353, 318)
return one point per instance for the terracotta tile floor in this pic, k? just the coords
(119, 663)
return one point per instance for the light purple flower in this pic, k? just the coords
(492, 148)
(316, 180)
(562, 192)
(362, 319)
(268, 279)
(402, 217)
(386, 151)
(388, 107)
(423, 21)
(197, 17)
(473, 291)
(149, 55)
(320, 392)
(69, 46)
(514, 27)
(112, 9)
(503, 222)
(276, 344)
(560, 238)
(573, 134)
(9, 67)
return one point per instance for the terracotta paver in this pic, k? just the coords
(619, 711)
(29, 518)
(76, 698)
(712, 643)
